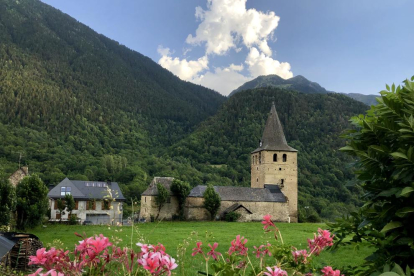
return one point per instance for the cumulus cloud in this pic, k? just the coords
(227, 21)
(223, 80)
(227, 25)
(260, 64)
(185, 70)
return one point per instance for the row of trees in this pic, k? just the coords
(27, 203)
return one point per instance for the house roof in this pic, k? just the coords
(230, 193)
(88, 190)
(152, 189)
(235, 207)
(273, 137)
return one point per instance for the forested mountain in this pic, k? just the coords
(76, 103)
(312, 124)
(56, 72)
(301, 84)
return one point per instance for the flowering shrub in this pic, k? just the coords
(97, 256)
(287, 260)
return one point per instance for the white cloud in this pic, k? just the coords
(223, 80)
(260, 64)
(184, 69)
(226, 21)
(227, 25)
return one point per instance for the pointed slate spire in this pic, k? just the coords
(273, 137)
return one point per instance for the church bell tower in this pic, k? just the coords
(274, 162)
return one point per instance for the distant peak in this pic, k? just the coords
(300, 77)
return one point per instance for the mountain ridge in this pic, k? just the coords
(301, 84)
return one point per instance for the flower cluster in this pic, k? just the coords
(322, 240)
(262, 250)
(328, 271)
(238, 246)
(275, 271)
(155, 260)
(298, 262)
(95, 253)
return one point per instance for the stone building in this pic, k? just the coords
(95, 202)
(18, 175)
(273, 190)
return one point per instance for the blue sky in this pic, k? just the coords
(346, 46)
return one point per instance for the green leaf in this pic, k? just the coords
(398, 270)
(393, 87)
(391, 225)
(389, 274)
(404, 211)
(399, 155)
(347, 148)
(389, 192)
(406, 191)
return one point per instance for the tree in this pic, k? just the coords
(32, 202)
(70, 206)
(161, 197)
(7, 200)
(384, 144)
(181, 190)
(61, 206)
(212, 201)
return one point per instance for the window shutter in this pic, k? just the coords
(55, 204)
(94, 205)
(76, 205)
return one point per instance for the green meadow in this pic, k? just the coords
(184, 235)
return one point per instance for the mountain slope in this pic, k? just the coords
(312, 124)
(300, 84)
(65, 69)
(75, 103)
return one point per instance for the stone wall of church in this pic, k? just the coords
(149, 208)
(278, 211)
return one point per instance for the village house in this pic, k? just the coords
(95, 202)
(18, 175)
(273, 189)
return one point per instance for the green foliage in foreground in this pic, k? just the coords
(384, 143)
(161, 197)
(180, 237)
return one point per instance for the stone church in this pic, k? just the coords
(273, 190)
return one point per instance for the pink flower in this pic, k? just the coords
(51, 272)
(36, 272)
(40, 258)
(213, 253)
(328, 271)
(197, 250)
(275, 272)
(168, 263)
(151, 261)
(262, 250)
(321, 241)
(300, 256)
(267, 222)
(238, 245)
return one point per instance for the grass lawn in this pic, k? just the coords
(171, 234)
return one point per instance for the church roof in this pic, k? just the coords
(230, 193)
(273, 137)
(152, 189)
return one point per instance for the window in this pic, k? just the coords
(58, 216)
(91, 205)
(260, 158)
(104, 185)
(98, 184)
(275, 157)
(257, 180)
(76, 205)
(65, 191)
(106, 205)
(284, 157)
(282, 183)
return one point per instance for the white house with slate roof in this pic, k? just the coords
(95, 202)
(273, 190)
